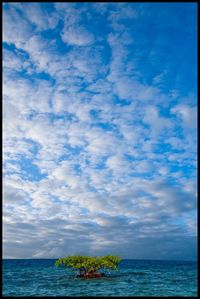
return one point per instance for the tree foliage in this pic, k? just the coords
(89, 263)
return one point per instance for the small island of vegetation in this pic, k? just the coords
(88, 267)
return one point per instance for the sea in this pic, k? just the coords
(40, 277)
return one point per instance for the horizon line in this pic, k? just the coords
(169, 260)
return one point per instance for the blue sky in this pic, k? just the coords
(100, 129)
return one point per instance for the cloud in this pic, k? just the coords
(187, 114)
(78, 36)
(156, 122)
(16, 30)
(13, 195)
(95, 144)
(74, 33)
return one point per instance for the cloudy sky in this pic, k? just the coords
(100, 113)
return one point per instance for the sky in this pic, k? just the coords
(100, 130)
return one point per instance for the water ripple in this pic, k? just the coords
(134, 278)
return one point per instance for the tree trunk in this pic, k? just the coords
(89, 274)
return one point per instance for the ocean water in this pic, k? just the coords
(134, 278)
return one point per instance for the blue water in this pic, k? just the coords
(133, 278)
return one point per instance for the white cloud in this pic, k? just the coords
(16, 30)
(156, 122)
(187, 114)
(78, 36)
(74, 33)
